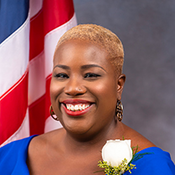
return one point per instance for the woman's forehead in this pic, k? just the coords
(79, 47)
(81, 50)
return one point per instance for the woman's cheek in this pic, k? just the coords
(104, 88)
(54, 90)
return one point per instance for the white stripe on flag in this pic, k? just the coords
(14, 55)
(36, 78)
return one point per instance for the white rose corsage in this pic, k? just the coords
(117, 156)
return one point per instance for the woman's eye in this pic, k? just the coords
(91, 75)
(61, 75)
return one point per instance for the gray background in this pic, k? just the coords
(147, 30)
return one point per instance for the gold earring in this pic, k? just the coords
(119, 110)
(53, 113)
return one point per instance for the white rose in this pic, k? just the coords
(115, 151)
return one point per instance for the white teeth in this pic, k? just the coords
(71, 108)
(84, 106)
(77, 107)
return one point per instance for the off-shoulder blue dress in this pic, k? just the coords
(13, 158)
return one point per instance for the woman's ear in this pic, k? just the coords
(120, 84)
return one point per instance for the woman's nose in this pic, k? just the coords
(74, 87)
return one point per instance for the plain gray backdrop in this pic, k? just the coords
(147, 30)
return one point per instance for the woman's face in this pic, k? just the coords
(84, 88)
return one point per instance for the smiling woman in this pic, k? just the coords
(86, 91)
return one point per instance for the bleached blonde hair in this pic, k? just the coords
(100, 36)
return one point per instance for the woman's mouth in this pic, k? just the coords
(76, 108)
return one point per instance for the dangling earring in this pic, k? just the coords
(119, 110)
(53, 113)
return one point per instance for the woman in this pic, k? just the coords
(85, 90)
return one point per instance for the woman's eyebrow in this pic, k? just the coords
(62, 66)
(91, 65)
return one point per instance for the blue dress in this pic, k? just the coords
(13, 158)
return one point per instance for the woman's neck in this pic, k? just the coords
(83, 143)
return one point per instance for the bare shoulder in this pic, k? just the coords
(39, 143)
(38, 149)
(137, 138)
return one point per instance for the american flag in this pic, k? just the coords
(29, 32)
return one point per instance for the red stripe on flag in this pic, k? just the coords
(13, 108)
(36, 109)
(48, 103)
(36, 35)
(56, 13)
(37, 113)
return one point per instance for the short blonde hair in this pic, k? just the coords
(100, 36)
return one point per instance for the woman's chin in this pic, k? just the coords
(77, 130)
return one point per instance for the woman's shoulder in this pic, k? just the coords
(137, 139)
(42, 148)
(41, 143)
(46, 139)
